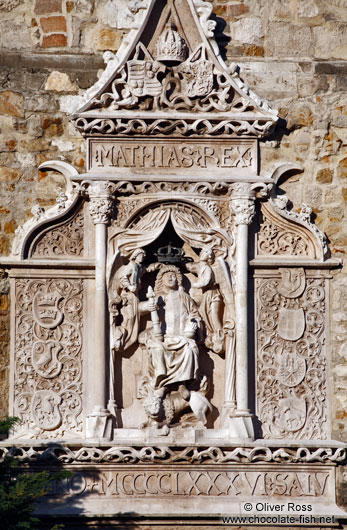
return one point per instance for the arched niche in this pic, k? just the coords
(149, 229)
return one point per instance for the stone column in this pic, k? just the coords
(243, 209)
(99, 423)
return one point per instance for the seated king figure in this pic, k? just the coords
(173, 351)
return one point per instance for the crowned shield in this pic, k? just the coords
(46, 310)
(291, 323)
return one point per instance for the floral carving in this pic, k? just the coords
(48, 358)
(66, 240)
(291, 362)
(280, 237)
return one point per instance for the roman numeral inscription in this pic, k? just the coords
(175, 483)
(165, 154)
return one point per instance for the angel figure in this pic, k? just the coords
(211, 306)
(125, 305)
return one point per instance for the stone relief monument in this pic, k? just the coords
(170, 311)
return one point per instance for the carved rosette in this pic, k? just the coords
(48, 358)
(101, 202)
(291, 358)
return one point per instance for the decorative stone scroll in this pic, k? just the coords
(168, 455)
(278, 236)
(291, 358)
(66, 240)
(48, 358)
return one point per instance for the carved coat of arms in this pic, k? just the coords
(292, 369)
(46, 310)
(293, 282)
(142, 74)
(196, 74)
(291, 323)
(45, 409)
(44, 358)
(292, 413)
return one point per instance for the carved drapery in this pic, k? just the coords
(189, 223)
(291, 358)
(48, 358)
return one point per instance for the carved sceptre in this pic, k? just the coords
(154, 316)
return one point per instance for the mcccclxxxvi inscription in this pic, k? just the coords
(169, 155)
(176, 483)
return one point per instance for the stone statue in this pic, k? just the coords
(211, 305)
(124, 305)
(173, 352)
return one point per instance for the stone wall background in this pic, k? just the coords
(292, 52)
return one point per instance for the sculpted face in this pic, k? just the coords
(169, 280)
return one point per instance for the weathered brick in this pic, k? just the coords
(48, 6)
(324, 176)
(56, 40)
(288, 40)
(251, 50)
(60, 82)
(11, 103)
(107, 39)
(8, 174)
(10, 227)
(8, 145)
(342, 168)
(234, 10)
(53, 24)
(4, 245)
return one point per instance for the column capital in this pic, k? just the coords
(101, 201)
(243, 203)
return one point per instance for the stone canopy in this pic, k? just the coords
(170, 334)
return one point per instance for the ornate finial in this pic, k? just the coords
(170, 254)
(171, 47)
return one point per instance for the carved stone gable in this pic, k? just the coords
(173, 81)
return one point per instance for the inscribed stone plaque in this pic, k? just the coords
(232, 157)
(175, 489)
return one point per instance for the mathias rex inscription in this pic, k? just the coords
(174, 154)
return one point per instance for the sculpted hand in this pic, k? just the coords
(190, 329)
(151, 305)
